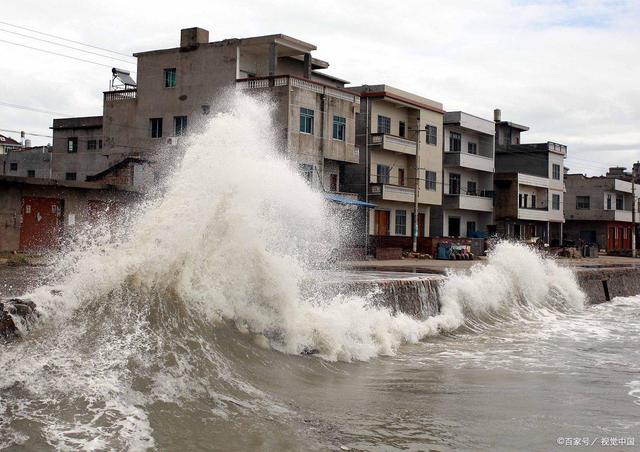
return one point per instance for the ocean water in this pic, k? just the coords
(188, 329)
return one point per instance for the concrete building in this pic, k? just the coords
(529, 185)
(468, 167)
(27, 162)
(177, 88)
(393, 156)
(599, 210)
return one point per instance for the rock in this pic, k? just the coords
(16, 310)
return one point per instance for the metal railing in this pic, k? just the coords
(123, 94)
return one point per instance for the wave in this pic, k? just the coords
(159, 311)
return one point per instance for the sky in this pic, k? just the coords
(570, 70)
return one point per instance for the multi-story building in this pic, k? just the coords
(27, 162)
(177, 88)
(599, 210)
(529, 185)
(393, 155)
(468, 167)
(8, 144)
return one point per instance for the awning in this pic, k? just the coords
(344, 200)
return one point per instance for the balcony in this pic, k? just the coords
(393, 143)
(296, 82)
(468, 202)
(389, 192)
(120, 95)
(471, 161)
(533, 213)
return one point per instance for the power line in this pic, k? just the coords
(65, 39)
(66, 46)
(26, 133)
(37, 110)
(59, 54)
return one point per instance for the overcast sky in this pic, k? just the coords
(570, 70)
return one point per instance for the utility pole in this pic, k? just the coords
(416, 189)
(633, 214)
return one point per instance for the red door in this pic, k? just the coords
(41, 223)
(611, 238)
(382, 222)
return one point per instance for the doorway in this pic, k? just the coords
(454, 227)
(382, 222)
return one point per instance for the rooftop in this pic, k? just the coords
(8, 141)
(85, 122)
(396, 95)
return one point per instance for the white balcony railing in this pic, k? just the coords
(296, 82)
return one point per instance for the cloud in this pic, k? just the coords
(567, 69)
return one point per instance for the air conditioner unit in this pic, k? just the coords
(173, 141)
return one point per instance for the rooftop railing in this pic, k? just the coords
(296, 82)
(123, 94)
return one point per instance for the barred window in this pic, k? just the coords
(384, 124)
(401, 222)
(431, 180)
(432, 134)
(583, 202)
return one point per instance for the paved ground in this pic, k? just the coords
(440, 266)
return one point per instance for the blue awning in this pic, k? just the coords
(344, 200)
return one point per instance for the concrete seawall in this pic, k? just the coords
(604, 284)
(418, 294)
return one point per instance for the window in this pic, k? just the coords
(170, 78)
(472, 148)
(333, 182)
(402, 129)
(454, 184)
(339, 128)
(13, 166)
(31, 173)
(99, 144)
(70, 176)
(555, 202)
(533, 201)
(92, 145)
(401, 222)
(382, 174)
(472, 188)
(156, 127)
(306, 120)
(384, 124)
(619, 203)
(72, 144)
(306, 171)
(525, 200)
(430, 180)
(180, 123)
(583, 202)
(401, 176)
(609, 203)
(556, 171)
(432, 134)
(455, 142)
(471, 228)
(520, 200)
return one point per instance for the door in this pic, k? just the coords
(611, 238)
(454, 227)
(454, 184)
(41, 226)
(382, 222)
(421, 224)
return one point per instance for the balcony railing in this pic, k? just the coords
(123, 94)
(296, 82)
(393, 143)
(392, 192)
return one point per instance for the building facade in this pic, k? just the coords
(177, 88)
(599, 210)
(393, 156)
(468, 167)
(529, 185)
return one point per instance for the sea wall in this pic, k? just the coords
(604, 284)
